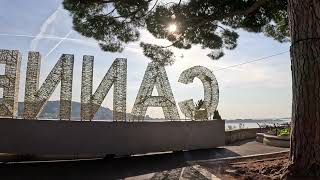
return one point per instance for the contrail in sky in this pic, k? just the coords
(61, 40)
(81, 41)
(41, 37)
(43, 28)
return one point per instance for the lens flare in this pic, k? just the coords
(172, 28)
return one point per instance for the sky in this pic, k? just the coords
(256, 90)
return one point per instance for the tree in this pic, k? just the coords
(213, 24)
(304, 17)
(216, 115)
(210, 24)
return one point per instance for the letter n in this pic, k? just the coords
(116, 76)
(35, 97)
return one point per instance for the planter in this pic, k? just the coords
(271, 140)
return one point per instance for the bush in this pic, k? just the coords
(279, 129)
(284, 132)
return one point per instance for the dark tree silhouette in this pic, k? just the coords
(212, 24)
(199, 104)
(216, 115)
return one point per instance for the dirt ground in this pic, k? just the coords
(266, 169)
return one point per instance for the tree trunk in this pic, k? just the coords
(304, 20)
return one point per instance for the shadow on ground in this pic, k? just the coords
(112, 168)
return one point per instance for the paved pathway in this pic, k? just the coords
(156, 166)
(245, 148)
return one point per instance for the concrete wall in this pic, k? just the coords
(242, 134)
(121, 138)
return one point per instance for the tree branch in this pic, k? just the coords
(175, 42)
(134, 12)
(250, 10)
(111, 11)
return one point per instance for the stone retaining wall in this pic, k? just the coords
(242, 134)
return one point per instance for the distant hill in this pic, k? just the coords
(51, 111)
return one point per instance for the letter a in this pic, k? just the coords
(155, 75)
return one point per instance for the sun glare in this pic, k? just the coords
(172, 28)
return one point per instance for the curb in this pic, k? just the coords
(241, 158)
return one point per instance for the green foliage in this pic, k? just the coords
(158, 54)
(284, 132)
(279, 129)
(211, 24)
(119, 25)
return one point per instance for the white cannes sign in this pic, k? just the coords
(155, 76)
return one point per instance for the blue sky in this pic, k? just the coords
(256, 90)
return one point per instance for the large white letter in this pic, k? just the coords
(10, 82)
(117, 76)
(211, 90)
(155, 75)
(35, 97)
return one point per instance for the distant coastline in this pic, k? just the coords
(258, 120)
(254, 123)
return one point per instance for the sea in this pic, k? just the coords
(254, 123)
(232, 124)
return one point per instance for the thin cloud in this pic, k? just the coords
(34, 43)
(75, 40)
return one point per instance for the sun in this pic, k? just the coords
(172, 28)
